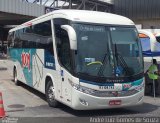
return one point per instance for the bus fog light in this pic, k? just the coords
(83, 102)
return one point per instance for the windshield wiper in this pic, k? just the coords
(104, 62)
(122, 62)
(106, 58)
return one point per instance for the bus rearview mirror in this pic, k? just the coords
(72, 36)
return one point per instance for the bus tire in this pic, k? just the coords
(15, 79)
(50, 94)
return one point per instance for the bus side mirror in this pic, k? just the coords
(72, 36)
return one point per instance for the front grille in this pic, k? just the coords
(114, 93)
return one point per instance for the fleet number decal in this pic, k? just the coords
(25, 58)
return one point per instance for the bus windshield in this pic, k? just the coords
(108, 51)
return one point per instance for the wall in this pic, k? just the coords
(145, 12)
(22, 8)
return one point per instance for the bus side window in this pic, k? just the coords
(157, 44)
(158, 38)
(64, 51)
(10, 39)
(17, 41)
(145, 41)
(157, 47)
(62, 43)
(37, 36)
(43, 34)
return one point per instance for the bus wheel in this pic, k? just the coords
(50, 94)
(15, 77)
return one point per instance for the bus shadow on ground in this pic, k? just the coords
(65, 111)
(32, 90)
(145, 108)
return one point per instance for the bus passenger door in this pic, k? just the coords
(65, 86)
(63, 50)
(64, 58)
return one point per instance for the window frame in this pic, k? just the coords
(26, 38)
(71, 52)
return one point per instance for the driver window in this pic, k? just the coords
(62, 43)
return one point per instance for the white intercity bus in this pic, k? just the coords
(150, 47)
(83, 59)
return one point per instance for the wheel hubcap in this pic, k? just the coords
(51, 94)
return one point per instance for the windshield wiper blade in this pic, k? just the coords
(104, 62)
(123, 63)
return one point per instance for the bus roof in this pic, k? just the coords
(80, 16)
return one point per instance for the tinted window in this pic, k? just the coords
(158, 38)
(157, 45)
(10, 39)
(62, 42)
(36, 36)
(17, 40)
(145, 41)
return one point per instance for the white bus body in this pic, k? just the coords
(150, 47)
(84, 59)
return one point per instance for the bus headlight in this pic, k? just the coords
(82, 88)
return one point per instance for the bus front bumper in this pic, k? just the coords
(82, 101)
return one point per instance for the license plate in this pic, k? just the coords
(115, 102)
